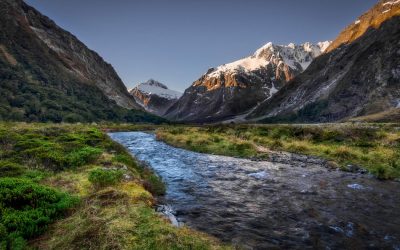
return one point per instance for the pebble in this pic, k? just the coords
(259, 175)
(356, 186)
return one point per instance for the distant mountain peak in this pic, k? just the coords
(152, 82)
(153, 87)
(154, 96)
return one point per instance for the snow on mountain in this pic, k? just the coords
(152, 87)
(391, 2)
(291, 54)
(154, 96)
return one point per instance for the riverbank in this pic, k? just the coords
(71, 187)
(375, 147)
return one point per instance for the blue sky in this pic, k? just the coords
(176, 41)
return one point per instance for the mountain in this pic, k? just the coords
(154, 96)
(232, 90)
(47, 74)
(359, 75)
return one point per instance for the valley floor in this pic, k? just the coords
(72, 187)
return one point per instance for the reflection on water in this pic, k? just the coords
(260, 205)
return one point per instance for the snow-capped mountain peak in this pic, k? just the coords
(297, 57)
(154, 83)
(265, 47)
(153, 87)
(154, 96)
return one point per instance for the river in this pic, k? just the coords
(262, 204)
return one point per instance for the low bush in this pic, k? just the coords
(27, 208)
(105, 177)
(10, 169)
(125, 159)
(83, 156)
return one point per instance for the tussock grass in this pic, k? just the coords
(375, 147)
(204, 141)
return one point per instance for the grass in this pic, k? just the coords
(206, 141)
(375, 147)
(71, 187)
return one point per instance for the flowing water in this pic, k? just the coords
(262, 205)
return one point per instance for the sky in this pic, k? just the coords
(176, 41)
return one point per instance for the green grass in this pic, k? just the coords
(71, 187)
(375, 147)
(206, 141)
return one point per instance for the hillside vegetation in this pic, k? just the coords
(71, 187)
(371, 146)
(24, 97)
(48, 75)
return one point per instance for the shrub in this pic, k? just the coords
(10, 169)
(125, 159)
(54, 160)
(83, 156)
(105, 177)
(27, 208)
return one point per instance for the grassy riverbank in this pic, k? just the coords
(375, 147)
(71, 187)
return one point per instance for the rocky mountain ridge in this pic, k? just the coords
(358, 76)
(236, 88)
(78, 58)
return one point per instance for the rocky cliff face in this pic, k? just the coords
(154, 96)
(232, 90)
(77, 58)
(358, 76)
(47, 74)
